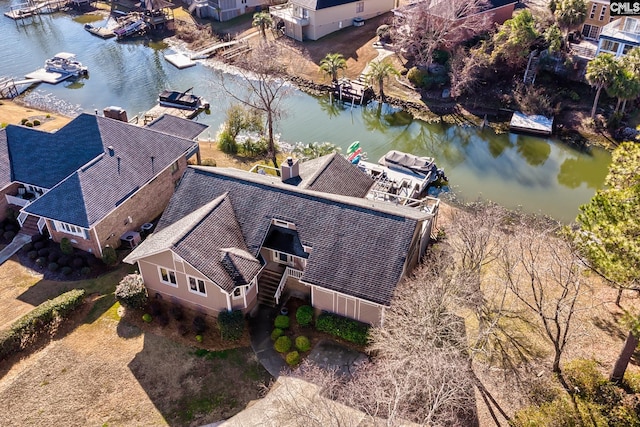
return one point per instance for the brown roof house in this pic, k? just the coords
(230, 239)
(313, 19)
(95, 179)
(598, 15)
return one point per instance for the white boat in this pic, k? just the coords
(65, 63)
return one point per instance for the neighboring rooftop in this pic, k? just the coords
(177, 126)
(334, 174)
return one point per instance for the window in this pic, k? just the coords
(631, 25)
(360, 7)
(593, 11)
(237, 293)
(70, 229)
(609, 46)
(174, 167)
(197, 286)
(168, 277)
(284, 257)
(590, 31)
(626, 48)
(602, 13)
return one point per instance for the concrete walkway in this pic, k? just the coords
(18, 242)
(260, 328)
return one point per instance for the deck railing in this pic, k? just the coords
(296, 274)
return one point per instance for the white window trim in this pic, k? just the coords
(197, 291)
(360, 7)
(74, 230)
(168, 283)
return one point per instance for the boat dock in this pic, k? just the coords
(179, 60)
(47, 76)
(353, 91)
(532, 124)
(33, 8)
(10, 88)
(159, 110)
(102, 32)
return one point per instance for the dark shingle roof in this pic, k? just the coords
(335, 174)
(128, 157)
(359, 247)
(177, 126)
(322, 4)
(5, 164)
(284, 240)
(210, 240)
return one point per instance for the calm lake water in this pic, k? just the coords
(540, 175)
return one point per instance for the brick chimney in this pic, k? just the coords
(289, 169)
(116, 113)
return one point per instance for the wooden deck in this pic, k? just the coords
(160, 110)
(352, 91)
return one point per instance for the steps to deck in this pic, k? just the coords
(268, 285)
(30, 226)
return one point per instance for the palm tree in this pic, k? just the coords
(570, 14)
(625, 86)
(262, 20)
(600, 74)
(331, 63)
(380, 71)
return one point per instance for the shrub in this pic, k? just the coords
(131, 291)
(9, 235)
(147, 318)
(32, 254)
(208, 162)
(41, 261)
(27, 246)
(199, 325)
(29, 124)
(44, 252)
(584, 378)
(231, 325)
(384, 33)
(37, 238)
(65, 246)
(77, 263)
(304, 315)
(66, 270)
(177, 312)
(632, 381)
(63, 260)
(303, 343)
(53, 266)
(440, 56)
(281, 322)
(109, 256)
(282, 344)
(155, 307)
(199, 338)
(39, 244)
(293, 358)
(40, 321)
(276, 333)
(23, 121)
(415, 76)
(53, 257)
(36, 122)
(342, 327)
(226, 143)
(85, 271)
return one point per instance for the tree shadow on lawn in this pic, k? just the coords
(194, 386)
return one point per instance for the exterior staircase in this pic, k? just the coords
(532, 68)
(30, 226)
(268, 285)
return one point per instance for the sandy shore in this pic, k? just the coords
(12, 113)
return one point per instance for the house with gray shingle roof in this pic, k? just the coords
(231, 239)
(313, 19)
(95, 179)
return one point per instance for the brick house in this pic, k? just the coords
(598, 15)
(231, 239)
(94, 179)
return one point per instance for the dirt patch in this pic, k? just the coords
(13, 113)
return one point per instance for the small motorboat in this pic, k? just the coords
(103, 32)
(183, 100)
(65, 63)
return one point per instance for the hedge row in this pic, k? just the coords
(341, 327)
(231, 324)
(39, 321)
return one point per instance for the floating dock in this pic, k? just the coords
(10, 88)
(102, 32)
(179, 60)
(47, 76)
(159, 110)
(533, 124)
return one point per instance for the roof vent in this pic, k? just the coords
(112, 151)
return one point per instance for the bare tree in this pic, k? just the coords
(434, 24)
(547, 279)
(265, 87)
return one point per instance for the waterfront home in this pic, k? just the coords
(95, 179)
(619, 36)
(232, 239)
(598, 15)
(313, 19)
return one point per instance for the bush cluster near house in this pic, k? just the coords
(45, 255)
(8, 228)
(282, 322)
(342, 327)
(39, 322)
(304, 315)
(282, 344)
(231, 325)
(131, 291)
